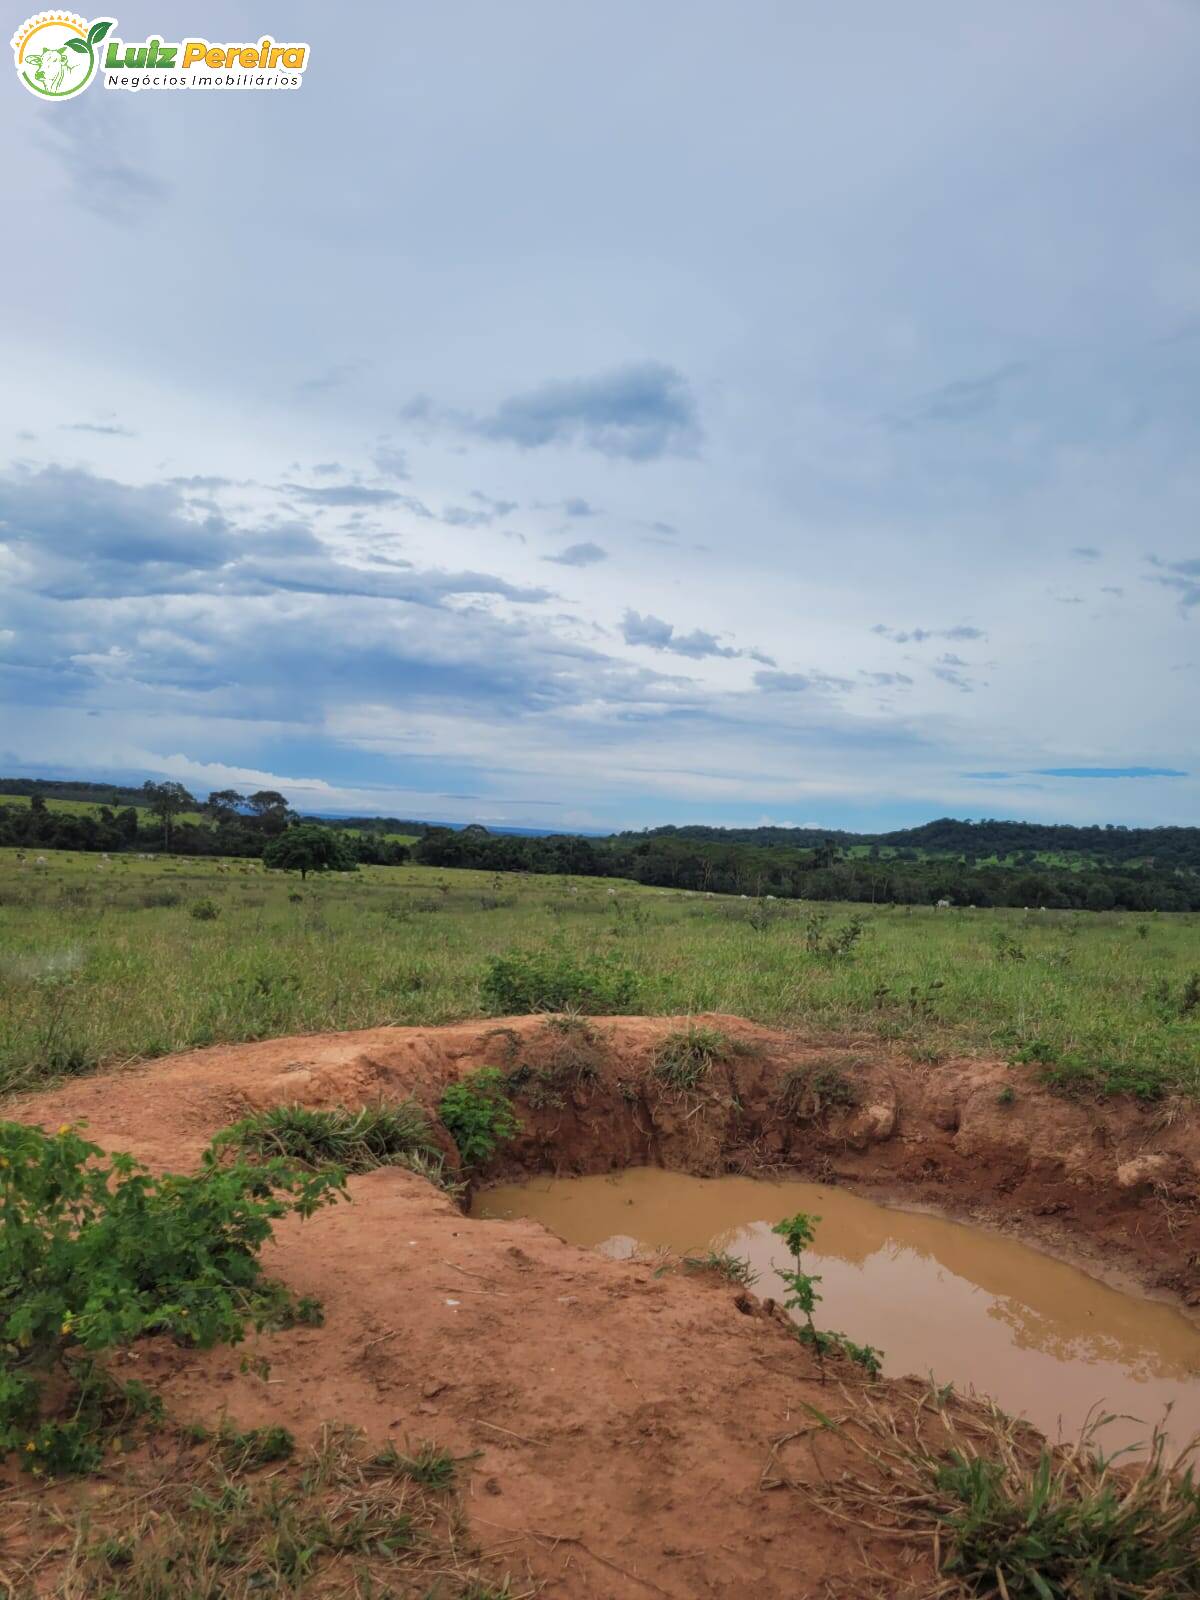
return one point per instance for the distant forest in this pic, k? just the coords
(986, 863)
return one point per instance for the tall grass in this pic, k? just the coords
(100, 964)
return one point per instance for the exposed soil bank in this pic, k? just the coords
(623, 1419)
(1115, 1185)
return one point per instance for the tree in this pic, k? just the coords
(223, 806)
(270, 810)
(309, 848)
(166, 801)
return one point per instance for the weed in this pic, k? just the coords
(204, 910)
(254, 1449)
(1011, 1515)
(1171, 1004)
(553, 980)
(93, 1256)
(735, 1269)
(355, 1141)
(571, 1056)
(1007, 948)
(832, 944)
(330, 1521)
(684, 1058)
(1007, 1095)
(808, 1091)
(799, 1232)
(430, 1466)
(478, 1115)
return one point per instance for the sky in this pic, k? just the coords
(600, 416)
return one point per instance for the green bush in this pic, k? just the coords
(478, 1115)
(95, 1255)
(205, 910)
(554, 980)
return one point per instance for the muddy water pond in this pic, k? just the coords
(978, 1309)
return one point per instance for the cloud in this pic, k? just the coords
(81, 535)
(576, 506)
(390, 462)
(1181, 576)
(112, 428)
(87, 142)
(962, 400)
(639, 412)
(1108, 772)
(481, 515)
(887, 680)
(344, 494)
(802, 683)
(659, 635)
(920, 635)
(1085, 552)
(579, 555)
(954, 677)
(334, 376)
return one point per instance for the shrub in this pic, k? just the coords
(205, 910)
(553, 980)
(832, 944)
(95, 1255)
(478, 1115)
(356, 1141)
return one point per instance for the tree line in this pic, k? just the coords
(1111, 869)
(171, 819)
(669, 859)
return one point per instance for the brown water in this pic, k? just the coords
(980, 1310)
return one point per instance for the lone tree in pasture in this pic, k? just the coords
(310, 848)
(166, 801)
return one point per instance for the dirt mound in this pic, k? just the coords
(623, 1419)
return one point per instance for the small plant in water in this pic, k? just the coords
(799, 1232)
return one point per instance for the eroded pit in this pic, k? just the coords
(980, 1309)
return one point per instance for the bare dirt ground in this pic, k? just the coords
(623, 1420)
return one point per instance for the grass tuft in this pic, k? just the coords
(355, 1141)
(735, 1269)
(1007, 1514)
(685, 1057)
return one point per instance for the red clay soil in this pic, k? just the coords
(623, 1420)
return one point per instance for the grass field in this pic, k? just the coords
(103, 963)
